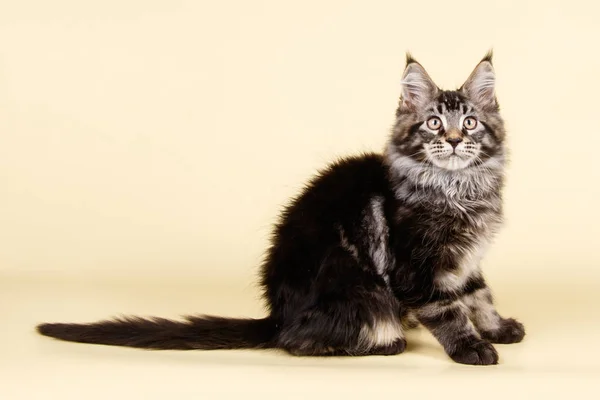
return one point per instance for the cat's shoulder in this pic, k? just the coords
(346, 182)
(367, 165)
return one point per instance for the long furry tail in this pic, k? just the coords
(193, 333)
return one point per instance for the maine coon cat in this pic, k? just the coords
(374, 245)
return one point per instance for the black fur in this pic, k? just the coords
(196, 333)
(371, 245)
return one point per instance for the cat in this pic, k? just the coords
(374, 245)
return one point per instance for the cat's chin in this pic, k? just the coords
(453, 162)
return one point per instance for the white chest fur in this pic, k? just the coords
(468, 260)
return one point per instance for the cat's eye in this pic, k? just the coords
(470, 123)
(434, 123)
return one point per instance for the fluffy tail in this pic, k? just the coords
(202, 333)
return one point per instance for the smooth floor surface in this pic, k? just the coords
(559, 358)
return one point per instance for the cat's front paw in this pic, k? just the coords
(510, 331)
(475, 353)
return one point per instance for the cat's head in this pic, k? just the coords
(452, 130)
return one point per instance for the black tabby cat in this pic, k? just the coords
(374, 245)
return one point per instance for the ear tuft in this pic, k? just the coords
(410, 59)
(489, 56)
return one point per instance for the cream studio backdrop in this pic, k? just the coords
(147, 146)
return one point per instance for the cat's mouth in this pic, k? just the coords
(454, 154)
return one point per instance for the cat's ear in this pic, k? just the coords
(418, 88)
(480, 87)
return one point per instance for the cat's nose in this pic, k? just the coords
(454, 141)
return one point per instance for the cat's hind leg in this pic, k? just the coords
(350, 311)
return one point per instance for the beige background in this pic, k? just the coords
(147, 146)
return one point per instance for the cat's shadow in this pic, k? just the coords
(537, 304)
(419, 341)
